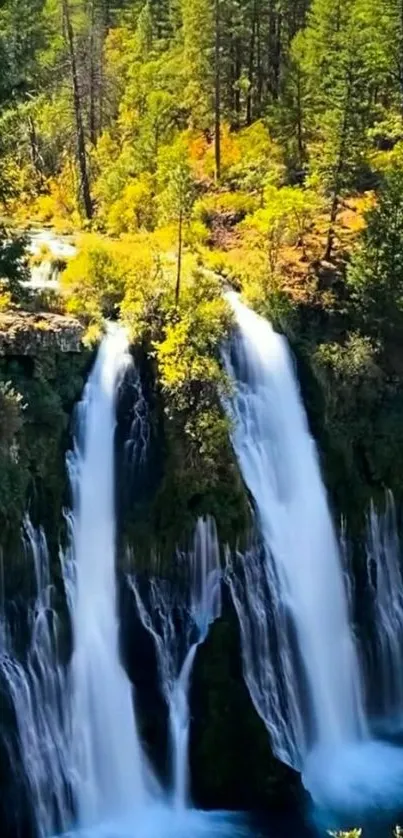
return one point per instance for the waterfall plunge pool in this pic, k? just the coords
(156, 820)
(357, 779)
(162, 821)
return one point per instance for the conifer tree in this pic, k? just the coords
(334, 61)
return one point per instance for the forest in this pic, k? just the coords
(188, 149)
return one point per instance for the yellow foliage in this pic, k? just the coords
(134, 210)
(59, 204)
(147, 285)
(5, 298)
(186, 355)
(94, 280)
(44, 208)
(236, 204)
(230, 153)
(92, 335)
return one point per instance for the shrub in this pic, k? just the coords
(231, 207)
(134, 210)
(94, 280)
(11, 407)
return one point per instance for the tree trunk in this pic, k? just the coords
(237, 64)
(217, 85)
(251, 65)
(334, 208)
(332, 221)
(80, 136)
(259, 69)
(338, 175)
(35, 155)
(92, 76)
(401, 57)
(179, 263)
(105, 26)
(300, 136)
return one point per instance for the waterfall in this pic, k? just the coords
(37, 687)
(302, 574)
(385, 584)
(108, 761)
(75, 725)
(167, 606)
(266, 651)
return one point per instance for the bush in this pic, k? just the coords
(14, 268)
(230, 207)
(11, 417)
(375, 276)
(134, 210)
(94, 280)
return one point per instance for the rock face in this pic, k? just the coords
(26, 333)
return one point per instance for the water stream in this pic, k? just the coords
(48, 250)
(38, 688)
(108, 760)
(385, 583)
(302, 571)
(179, 622)
(77, 737)
(300, 658)
(76, 731)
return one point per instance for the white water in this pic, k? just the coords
(385, 584)
(45, 275)
(76, 728)
(175, 659)
(266, 652)
(38, 687)
(303, 573)
(109, 764)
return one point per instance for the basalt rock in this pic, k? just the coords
(25, 333)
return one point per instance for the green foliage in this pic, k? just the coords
(14, 268)
(11, 418)
(148, 294)
(95, 280)
(36, 399)
(375, 276)
(230, 207)
(175, 180)
(188, 355)
(260, 160)
(285, 217)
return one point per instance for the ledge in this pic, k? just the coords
(25, 333)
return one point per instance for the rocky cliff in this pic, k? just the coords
(24, 333)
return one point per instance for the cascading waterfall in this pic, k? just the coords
(279, 463)
(301, 585)
(37, 686)
(266, 651)
(175, 659)
(109, 764)
(76, 733)
(76, 727)
(385, 584)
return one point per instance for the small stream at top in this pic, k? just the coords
(56, 249)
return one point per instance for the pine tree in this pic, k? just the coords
(334, 62)
(375, 276)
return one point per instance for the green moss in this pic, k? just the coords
(185, 479)
(32, 463)
(226, 728)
